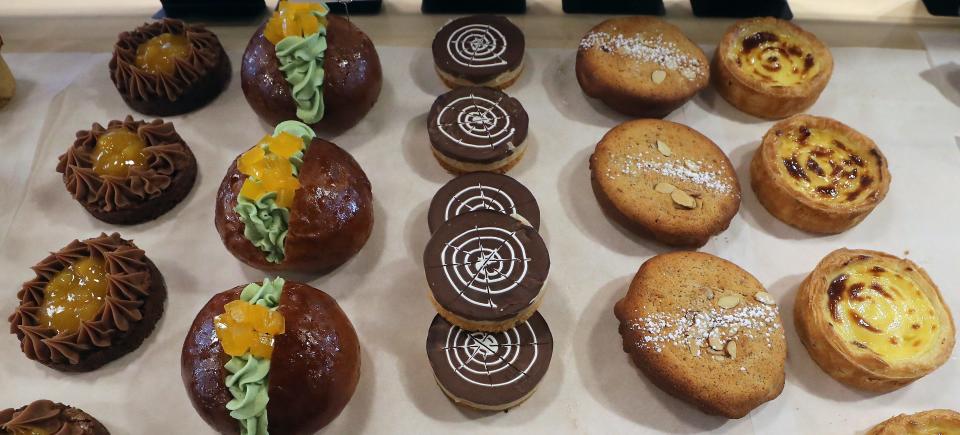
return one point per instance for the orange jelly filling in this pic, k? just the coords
(295, 19)
(244, 327)
(158, 54)
(269, 169)
(117, 151)
(74, 295)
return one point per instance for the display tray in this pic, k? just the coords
(591, 386)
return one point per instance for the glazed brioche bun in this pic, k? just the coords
(351, 83)
(330, 220)
(314, 368)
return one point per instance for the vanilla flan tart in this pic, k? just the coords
(771, 68)
(932, 422)
(873, 321)
(818, 174)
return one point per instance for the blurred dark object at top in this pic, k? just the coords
(473, 7)
(943, 7)
(632, 7)
(742, 8)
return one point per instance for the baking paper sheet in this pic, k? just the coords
(591, 386)
(40, 77)
(943, 52)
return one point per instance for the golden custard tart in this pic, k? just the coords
(933, 422)
(770, 68)
(873, 321)
(818, 174)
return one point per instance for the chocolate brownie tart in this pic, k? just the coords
(477, 129)
(90, 303)
(46, 417)
(479, 50)
(483, 191)
(486, 270)
(489, 371)
(129, 172)
(169, 67)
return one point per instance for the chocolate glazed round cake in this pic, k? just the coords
(352, 78)
(129, 172)
(489, 370)
(188, 78)
(479, 50)
(486, 270)
(312, 372)
(483, 191)
(90, 303)
(46, 417)
(474, 129)
(330, 219)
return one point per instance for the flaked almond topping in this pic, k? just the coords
(522, 219)
(765, 298)
(729, 301)
(732, 349)
(683, 199)
(664, 187)
(752, 321)
(658, 76)
(694, 347)
(709, 295)
(719, 358)
(664, 148)
(714, 340)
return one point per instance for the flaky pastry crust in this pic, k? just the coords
(758, 95)
(774, 177)
(823, 296)
(932, 421)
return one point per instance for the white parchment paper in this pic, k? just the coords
(591, 386)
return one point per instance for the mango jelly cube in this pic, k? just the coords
(273, 324)
(256, 314)
(285, 145)
(262, 348)
(247, 335)
(239, 311)
(281, 182)
(235, 339)
(252, 190)
(308, 24)
(285, 198)
(250, 160)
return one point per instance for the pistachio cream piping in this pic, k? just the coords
(301, 61)
(247, 381)
(265, 222)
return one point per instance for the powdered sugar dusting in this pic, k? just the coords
(645, 48)
(687, 170)
(688, 327)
